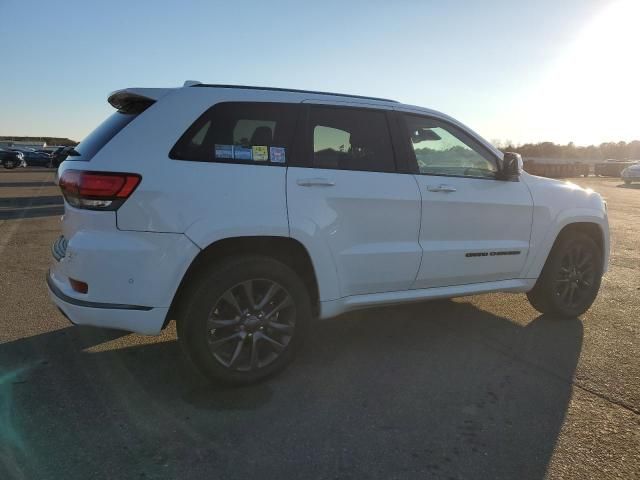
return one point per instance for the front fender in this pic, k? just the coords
(542, 241)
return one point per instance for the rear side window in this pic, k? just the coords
(97, 139)
(350, 139)
(240, 132)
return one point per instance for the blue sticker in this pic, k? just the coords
(224, 151)
(277, 154)
(242, 153)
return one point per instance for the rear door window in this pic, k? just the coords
(240, 132)
(345, 138)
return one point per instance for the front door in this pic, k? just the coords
(475, 227)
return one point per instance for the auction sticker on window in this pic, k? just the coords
(224, 151)
(260, 153)
(277, 154)
(242, 153)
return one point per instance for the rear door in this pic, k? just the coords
(346, 201)
(475, 227)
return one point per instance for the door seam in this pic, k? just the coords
(415, 279)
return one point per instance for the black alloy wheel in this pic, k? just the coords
(576, 276)
(243, 319)
(570, 279)
(251, 324)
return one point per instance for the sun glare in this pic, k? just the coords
(592, 92)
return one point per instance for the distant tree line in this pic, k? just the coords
(453, 156)
(609, 150)
(49, 140)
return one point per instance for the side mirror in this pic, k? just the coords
(511, 166)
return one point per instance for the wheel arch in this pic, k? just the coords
(285, 249)
(595, 227)
(593, 230)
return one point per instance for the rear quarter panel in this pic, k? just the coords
(206, 201)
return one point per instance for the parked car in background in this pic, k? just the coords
(610, 168)
(35, 158)
(46, 153)
(258, 209)
(631, 174)
(11, 159)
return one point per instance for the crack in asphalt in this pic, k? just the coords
(503, 349)
(613, 401)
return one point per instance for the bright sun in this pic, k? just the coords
(592, 94)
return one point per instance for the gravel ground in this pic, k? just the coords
(479, 387)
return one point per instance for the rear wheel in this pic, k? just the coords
(245, 319)
(627, 182)
(9, 164)
(570, 279)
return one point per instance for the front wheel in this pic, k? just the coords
(627, 182)
(10, 164)
(570, 279)
(244, 319)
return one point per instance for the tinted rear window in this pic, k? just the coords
(240, 132)
(350, 139)
(101, 135)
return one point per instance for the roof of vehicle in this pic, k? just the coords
(123, 97)
(130, 99)
(292, 90)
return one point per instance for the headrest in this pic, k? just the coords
(262, 136)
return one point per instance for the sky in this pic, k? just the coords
(525, 71)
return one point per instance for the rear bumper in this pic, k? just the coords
(119, 267)
(132, 277)
(132, 318)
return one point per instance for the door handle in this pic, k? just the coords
(315, 182)
(441, 188)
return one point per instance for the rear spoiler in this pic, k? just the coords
(136, 100)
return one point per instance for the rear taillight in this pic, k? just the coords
(97, 190)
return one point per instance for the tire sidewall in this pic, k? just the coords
(210, 286)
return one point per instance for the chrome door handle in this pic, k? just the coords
(441, 188)
(315, 182)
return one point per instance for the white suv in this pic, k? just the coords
(244, 212)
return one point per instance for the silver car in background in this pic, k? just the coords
(631, 174)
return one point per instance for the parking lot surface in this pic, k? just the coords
(478, 387)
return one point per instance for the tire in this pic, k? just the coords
(561, 290)
(227, 345)
(627, 182)
(10, 164)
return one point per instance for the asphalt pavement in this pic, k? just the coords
(475, 388)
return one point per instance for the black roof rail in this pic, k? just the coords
(293, 90)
